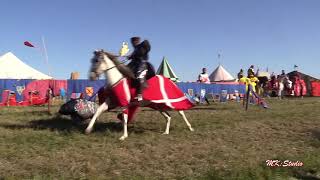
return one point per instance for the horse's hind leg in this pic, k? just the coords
(103, 107)
(168, 117)
(125, 127)
(186, 120)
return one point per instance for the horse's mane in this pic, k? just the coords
(122, 67)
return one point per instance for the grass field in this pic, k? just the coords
(228, 143)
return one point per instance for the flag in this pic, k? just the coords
(124, 49)
(295, 66)
(27, 43)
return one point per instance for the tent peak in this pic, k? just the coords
(7, 54)
(166, 70)
(221, 74)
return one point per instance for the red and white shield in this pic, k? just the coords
(89, 91)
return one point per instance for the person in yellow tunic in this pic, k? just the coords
(244, 80)
(253, 81)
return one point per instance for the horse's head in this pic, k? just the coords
(103, 61)
(98, 64)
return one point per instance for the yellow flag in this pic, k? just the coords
(124, 49)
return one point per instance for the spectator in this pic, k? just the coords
(63, 94)
(283, 75)
(204, 77)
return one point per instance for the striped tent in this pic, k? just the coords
(166, 70)
(221, 75)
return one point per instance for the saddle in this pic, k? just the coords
(150, 73)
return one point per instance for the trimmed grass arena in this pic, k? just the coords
(228, 143)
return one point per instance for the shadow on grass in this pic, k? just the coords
(66, 125)
(303, 175)
(316, 133)
(192, 109)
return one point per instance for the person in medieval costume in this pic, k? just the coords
(244, 80)
(139, 64)
(240, 74)
(253, 81)
(251, 71)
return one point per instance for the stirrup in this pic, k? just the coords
(139, 97)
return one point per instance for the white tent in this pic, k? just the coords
(12, 67)
(220, 74)
(264, 74)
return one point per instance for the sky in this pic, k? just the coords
(270, 34)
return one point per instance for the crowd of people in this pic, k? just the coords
(275, 85)
(264, 84)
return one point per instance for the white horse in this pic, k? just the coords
(118, 79)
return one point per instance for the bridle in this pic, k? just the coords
(118, 64)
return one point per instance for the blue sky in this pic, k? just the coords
(190, 33)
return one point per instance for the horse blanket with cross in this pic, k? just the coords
(161, 92)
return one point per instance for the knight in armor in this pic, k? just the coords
(139, 64)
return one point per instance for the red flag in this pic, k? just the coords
(27, 43)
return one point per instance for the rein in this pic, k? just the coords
(117, 65)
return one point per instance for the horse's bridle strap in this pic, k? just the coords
(117, 65)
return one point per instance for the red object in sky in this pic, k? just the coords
(27, 43)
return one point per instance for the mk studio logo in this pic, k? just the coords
(20, 89)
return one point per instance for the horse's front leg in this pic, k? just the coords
(125, 127)
(103, 107)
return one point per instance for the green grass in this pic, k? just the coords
(228, 143)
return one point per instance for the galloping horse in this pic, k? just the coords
(161, 94)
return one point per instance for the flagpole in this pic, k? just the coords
(45, 54)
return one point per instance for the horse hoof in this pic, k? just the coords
(165, 133)
(191, 129)
(87, 131)
(122, 138)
